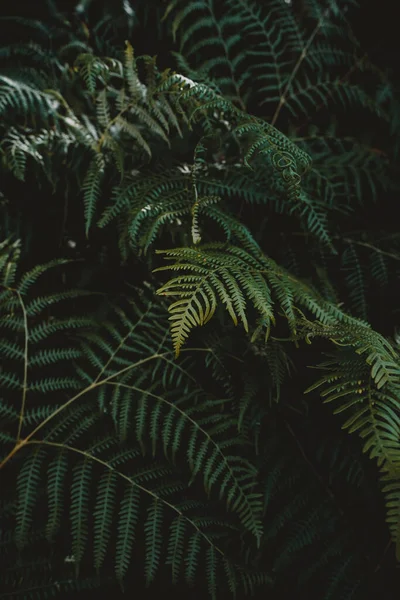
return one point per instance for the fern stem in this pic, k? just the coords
(297, 66)
(371, 247)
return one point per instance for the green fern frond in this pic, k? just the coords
(27, 486)
(91, 188)
(103, 516)
(134, 85)
(212, 272)
(129, 512)
(235, 277)
(152, 530)
(10, 252)
(92, 69)
(79, 508)
(25, 99)
(355, 279)
(57, 471)
(133, 132)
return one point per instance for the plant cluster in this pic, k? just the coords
(179, 243)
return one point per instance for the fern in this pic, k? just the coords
(234, 276)
(63, 429)
(199, 464)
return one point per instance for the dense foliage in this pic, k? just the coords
(182, 237)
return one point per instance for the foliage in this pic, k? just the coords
(166, 443)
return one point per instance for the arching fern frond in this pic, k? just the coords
(213, 271)
(364, 383)
(235, 277)
(24, 99)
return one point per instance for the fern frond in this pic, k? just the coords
(56, 490)
(92, 69)
(10, 252)
(126, 530)
(91, 188)
(134, 85)
(235, 277)
(27, 486)
(152, 529)
(103, 517)
(80, 508)
(212, 273)
(25, 99)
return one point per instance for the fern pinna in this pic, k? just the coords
(206, 249)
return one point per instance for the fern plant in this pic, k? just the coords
(129, 412)
(300, 70)
(229, 165)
